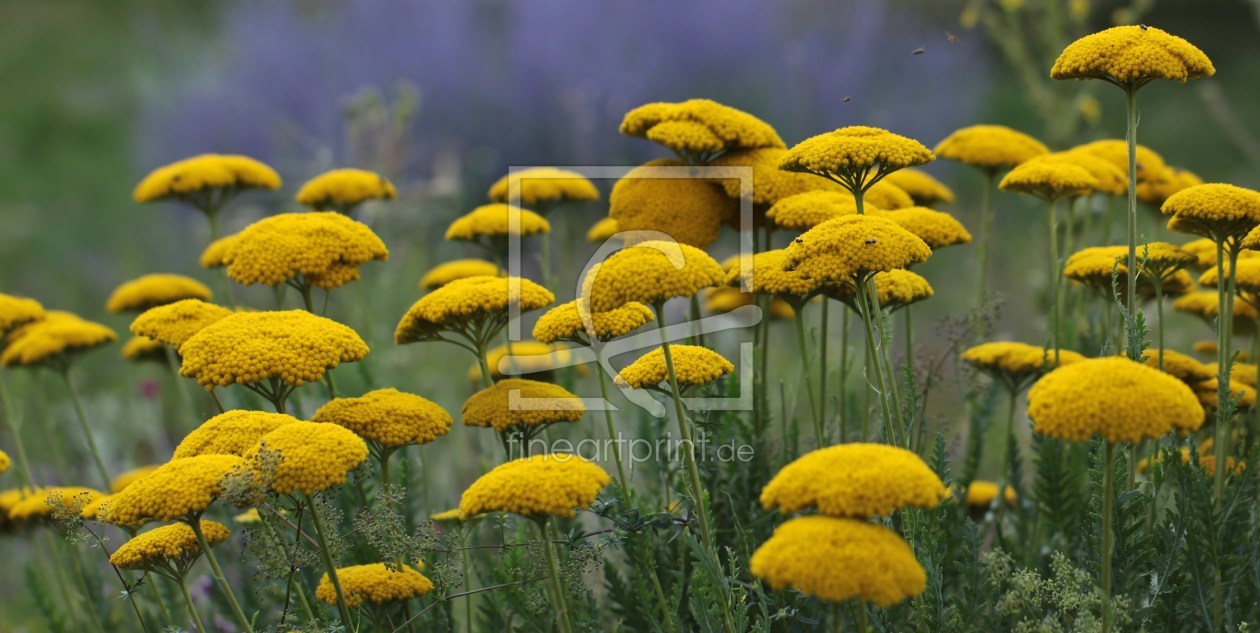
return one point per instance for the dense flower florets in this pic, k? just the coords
(1132, 56)
(15, 311)
(698, 128)
(170, 544)
(537, 487)
(324, 249)
(52, 339)
(493, 220)
(230, 433)
(47, 501)
(571, 322)
(768, 183)
(767, 276)
(306, 457)
(850, 246)
(447, 272)
(854, 480)
(388, 417)
(1014, 362)
(294, 346)
(936, 228)
(804, 211)
(468, 300)
(341, 189)
(542, 185)
(375, 583)
(175, 323)
(1049, 180)
(990, 147)
(850, 153)
(693, 366)
(515, 402)
(179, 489)
(196, 175)
(895, 289)
(649, 273)
(149, 291)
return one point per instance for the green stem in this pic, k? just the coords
(1054, 279)
(844, 374)
(185, 397)
(861, 617)
(192, 608)
(466, 567)
(81, 416)
(294, 587)
(871, 314)
(1108, 495)
(553, 571)
(328, 561)
(822, 369)
(195, 524)
(1224, 359)
(1005, 479)
(612, 434)
(799, 322)
(986, 221)
(1159, 319)
(15, 427)
(217, 403)
(1131, 138)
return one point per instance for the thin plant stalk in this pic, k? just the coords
(612, 434)
(1131, 138)
(844, 374)
(822, 368)
(195, 524)
(1054, 279)
(863, 627)
(15, 427)
(1004, 476)
(1224, 355)
(986, 222)
(873, 368)
(192, 608)
(553, 572)
(81, 416)
(836, 625)
(1107, 536)
(328, 561)
(799, 322)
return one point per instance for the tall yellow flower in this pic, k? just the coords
(856, 481)
(804, 211)
(699, 130)
(376, 584)
(856, 157)
(554, 485)
(54, 341)
(694, 366)
(175, 323)
(651, 273)
(571, 322)
(179, 490)
(150, 291)
(494, 221)
(206, 182)
(526, 407)
(305, 457)
(1131, 57)
(388, 420)
(169, 549)
(543, 188)
(230, 433)
(342, 190)
(687, 210)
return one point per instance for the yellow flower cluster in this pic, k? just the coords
(687, 210)
(388, 417)
(527, 358)
(325, 248)
(851, 246)
(542, 185)
(1132, 56)
(15, 311)
(1245, 373)
(1016, 361)
(230, 433)
(896, 289)
(443, 274)
(247, 347)
(1115, 398)
(52, 338)
(142, 348)
(936, 228)
(175, 323)
(854, 480)
(93, 511)
(179, 489)
(769, 183)
(837, 560)
(1150, 165)
(699, 127)
(990, 147)
(804, 211)
(1111, 180)
(572, 322)
(767, 276)
(602, 231)
(149, 291)
(1208, 393)
(466, 300)
(341, 189)
(217, 252)
(5, 462)
(885, 195)
(497, 220)
(693, 366)
(980, 494)
(207, 171)
(649, 273)
(854, 151)
(175, 543)
(312, 457)
(1214, 208)
(1049, 180)
(120, 482)
(726, 299)
(1183, 367)
(1205, 304)
(922, 187)
(541, 486)
(375, 583)
(44, 503)
(1155, 192)
(1158, 261)
(515, 402)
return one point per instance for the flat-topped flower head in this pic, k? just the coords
(388, 417)
(1205, 304)
(517, 402)
(837, 560)
(374, 583)
(469, 300)
(1111, 179)
(895, 289)
(322, 249)
(142, 349)
(1115, 398)
(650, 273)
(175, 323)
(573, 322)
(230, 433)
(542, 187)
(852, 246)
(495, 221)
(602, 231)
(936, 228)
(15, 311)
(1183, 367)
(804, 211)
(175, 544)
(343, 189)
(769, 183)
(306, 457)
(1158, 263)
(698, 130)
(1049, 180)
(767, 276)
(687, 210)
(1208, 393)
(981, 494)
(856, 156)
(1150, 165)
(885, 195)
(447, 272)
(46, 503)
(693, 366)
(1156, 192)
(725, 299)
(1214, 210)
(1245, 373)
(180, 489)
(121, 481)
(922, 187)
(554, 485)
(216, 253)
(5, 462)
(1131, 57)
(205, 180)
(293, 346)
(523, 359)
(54, 341)
(990, 147)
(854, 480)
(154, 290)
(1016, 364)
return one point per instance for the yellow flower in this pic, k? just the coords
(693, 366)
(1150, 165)
(1113, 397)
(936, 228)
(854, 480)
(990, 147)
(94, 510)
(497, 220)
(602, 231)
(1204, 303)
(120, 482)
(885, 195)
(542, 186)
(516, 402)
(572, 322)
(230, 433)
(53, 340)
(1111, 180)
(342, 189)
(650, 273)
(1015, 364)
(769, 183)
(149, 291)
(687, 210)
(767, 276)
(177, 322)
(1049, 180)
(804, 211)
(142, 348)
(1156, 192)
(1208, 393)
(836, 560)
(1158, 261)
(896, 289)
(217, 252)
(5, 462)
(856, 156)
(388, 417)
(1218, 211)
(980, 494)
(1132, 56)
(698, 129)
(294, 346)
(309, 457)
(197, 176)
(528, 358)
(447, 515)
(375, 583)
(537, 487)
(248, 517)
(1208, 348)
(1244, 373)
(173, 544)
(179, 489)
(323, 249)
(1183, 367)
(922, 187)
(726, 299)
(15, 311)
(443, 274)
(12, 497)
(469, 300)
(45, 503)
(1246, 277)
(851, 246)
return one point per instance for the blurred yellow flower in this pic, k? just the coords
(1182, 367)
(343, 189)
(217, 252)
(1016, 363)
(896, 289)
(200, 178)
(1049, 180)
(175, 323)
(980, 494)
(936, 228)
(496, 220)
(447, 272)
(120, 482)
(516, 402)
(541, 187)
(804, 211)
(699, 129)
(650, 273)
(922, 187)
(571, 322)
(54, 340)
(139, 349)
(602, 231)
(851, 246)
(687, 210)
(150, 291)
(990, 147)
(15, 311)
(472, 300)
(45, 503)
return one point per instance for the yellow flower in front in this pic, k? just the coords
(47, 501)
(766, 185)
(553, 485)
(1049, 180)
(836, 560)
(1215, 210)
(120, 482)
(496, 221)
(650, 273)
(687, 210)
(306, 457)
(447, 272)
(694, 366)
(375, 583)
(388, 417)
(990, 147)
(698, 130)
(516, 402)
(852, 246)
(15, 311)
(170, 545)
(922, 187)
(936, 228)
(321, 250)
(542, 187)
(854, 480)
(571, 322)
(54, 340)
(1132, 56)
(180, 489)
(472, 300)
(856, 156)
(206, 180)
(1115, 398)
(230, 433)
(804, 211)
(150, 291)
(343, 189)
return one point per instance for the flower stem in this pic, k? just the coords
(1108, 496)
(328, 561)
(799, 322)
(81, 416)
(986, 221)
(1159, 319)
(192, 608)
(1054, 279)
(612, 435)
(15, 427)
(185, 397)
(861, 617)
(195, 524)
(553, 571)
(1131, 138)
(822, 369)
(844, 374)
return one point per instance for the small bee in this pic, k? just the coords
(846, 99)
(799, 241)
(1144, 27)
(870, 241)
(919, 51)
